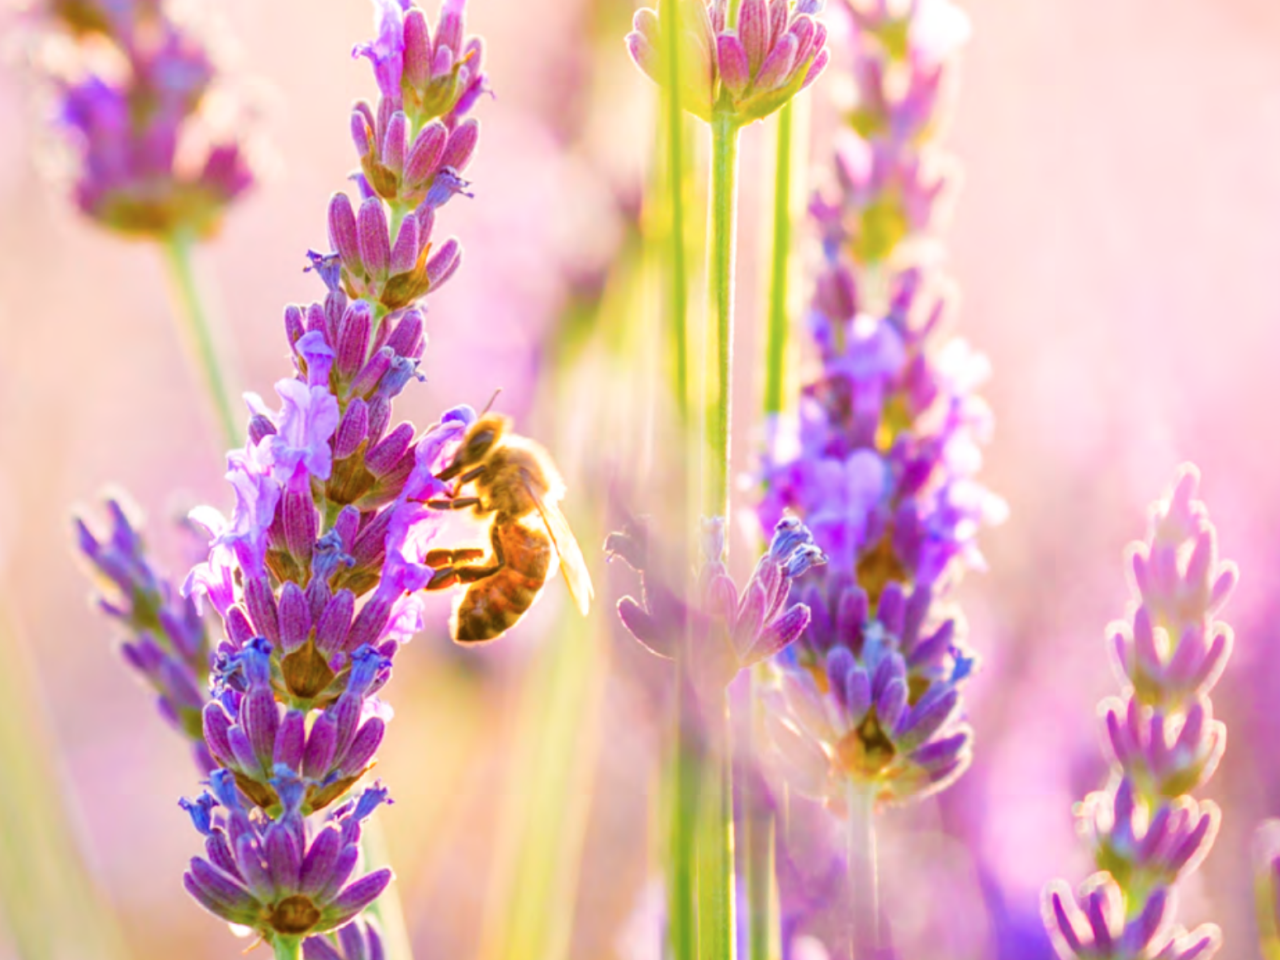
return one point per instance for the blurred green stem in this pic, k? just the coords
(196, 328)
(757, 838)
(716, 926)
(724, 201)
(287, 948)
(776, 344)
(48, 901)
(676, 162)
(864, 880)
(686, 790)
(387, 910)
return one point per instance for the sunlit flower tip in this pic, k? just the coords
(1143, 848)
(278, 876)
(427, 76)
(748, 71)
(358, 940)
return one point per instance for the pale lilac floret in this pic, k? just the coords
(308, 417)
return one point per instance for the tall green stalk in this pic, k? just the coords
(757, 828)
(719, 411)
(287, 948)
(196, 328)
(679, 282)
(717, 927)
(780, 257)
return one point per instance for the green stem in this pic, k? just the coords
(387, 909)
(716, 925)
(287, 948)
(724, 202)
(679, 281)
(776, 345)
(196, 329)
(757, 839)
(864, 880)
(685, 791)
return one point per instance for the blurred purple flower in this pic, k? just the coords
(167, 642)
(1145, 828)
(127, 129)
(745, 71)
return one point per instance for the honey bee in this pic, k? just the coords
(517, 487)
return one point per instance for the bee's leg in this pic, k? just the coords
(456, 503)
(462, 567)
(472, 573)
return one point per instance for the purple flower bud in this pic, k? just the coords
(290, 740)
(352, 429)
(295, 617)
(382, 457)
(461, 146)
(334, 623)
(343, 234)
(375, 241)
(353, 338)
(425, 154)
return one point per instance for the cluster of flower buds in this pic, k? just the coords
(870, 700)
(1145, 828)
(134, 128)
(167, 642)
(889, 174)
(744, 70)
(881, 471)
(282, 873)
(726, 630)
(318, 575)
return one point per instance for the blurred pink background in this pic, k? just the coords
(1116, 242)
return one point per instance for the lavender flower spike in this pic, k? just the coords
(167, 642)
(319, 574)
(127, 127)
(746, 70)
(1146, 829)
(880, 460)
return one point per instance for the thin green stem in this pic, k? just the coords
(685, 791)
(387, 909)
(864, 879)
(287, 948)
(679, 279)
(716, 924)
(196, 328)
(776, 344)
(719, 413)
(757, 839)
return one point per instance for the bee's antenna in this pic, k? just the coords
(489, 406)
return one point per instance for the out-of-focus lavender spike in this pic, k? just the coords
(1146, 829)
(166, 642)
(127, 125)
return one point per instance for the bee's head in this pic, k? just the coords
(483, 435)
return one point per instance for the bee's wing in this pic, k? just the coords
(566, 544)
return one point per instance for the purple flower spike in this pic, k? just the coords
(1146, 829)
(127, 125)
(318, 576)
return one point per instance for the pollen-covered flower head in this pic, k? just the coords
(745, 70)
